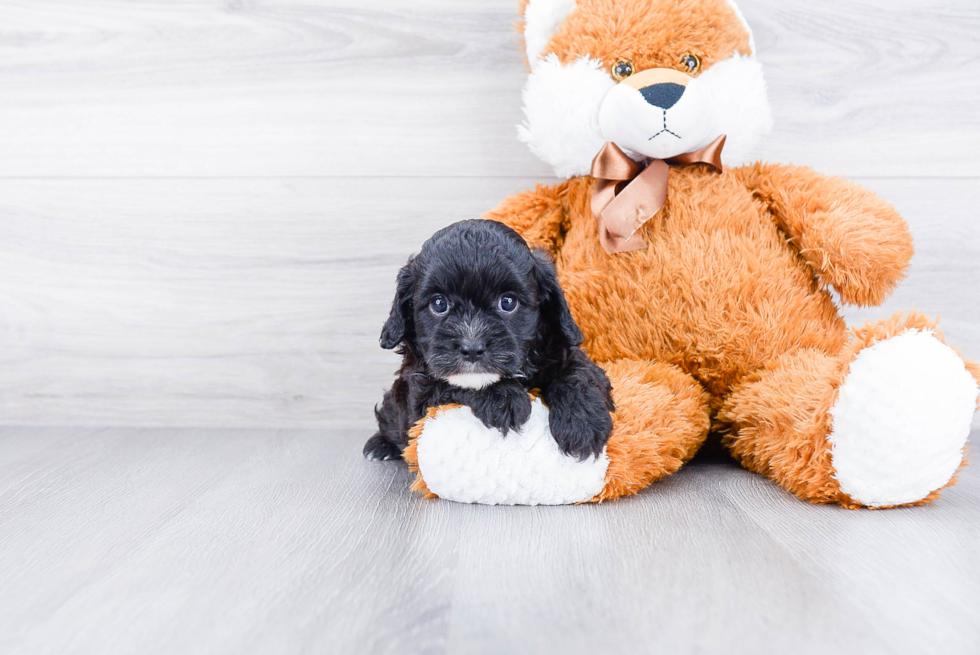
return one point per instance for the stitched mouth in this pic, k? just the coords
(664, 130)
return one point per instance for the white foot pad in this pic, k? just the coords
(901, 420)
(461, 459)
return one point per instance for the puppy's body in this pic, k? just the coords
(480, 319)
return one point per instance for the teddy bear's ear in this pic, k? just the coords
(541, 19)
(745, 24)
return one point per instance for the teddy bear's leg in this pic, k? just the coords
(661, 418)
(881, 424)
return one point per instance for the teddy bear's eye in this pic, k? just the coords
(691, 62)
(622, 69)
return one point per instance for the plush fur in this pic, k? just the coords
(460, 343)
(561, 112)
(725, 320)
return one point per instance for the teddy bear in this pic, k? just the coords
(703, 285)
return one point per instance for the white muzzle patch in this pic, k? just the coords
(571, 111)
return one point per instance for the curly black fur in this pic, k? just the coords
(472, 264)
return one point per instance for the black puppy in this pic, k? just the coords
(479, 319)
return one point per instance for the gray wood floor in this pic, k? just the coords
(287, 541)
(202, 208)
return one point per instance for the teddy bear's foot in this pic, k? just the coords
(901, 420)
(660, 420)
(458, 458)
(883, 424)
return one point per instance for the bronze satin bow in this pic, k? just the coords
(620, 214)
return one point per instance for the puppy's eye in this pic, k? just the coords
(691, 62)
(439, 305)
(622, 69)
(507, 303)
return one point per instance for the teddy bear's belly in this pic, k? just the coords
(718, 304)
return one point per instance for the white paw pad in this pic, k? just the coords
(463, 460)
(901, 420)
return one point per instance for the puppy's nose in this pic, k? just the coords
(664, 95)
(472, 349)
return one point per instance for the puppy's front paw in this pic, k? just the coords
(378, 448)
(505, 406)
(580, 428)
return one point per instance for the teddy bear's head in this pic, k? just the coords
(656, 77)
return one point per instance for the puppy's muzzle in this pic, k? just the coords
(660, 87)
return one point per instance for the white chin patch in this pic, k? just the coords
(461, 459)
(901, 420)
(473, 380)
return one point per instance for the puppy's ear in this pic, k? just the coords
(554, 309)
(400, 324)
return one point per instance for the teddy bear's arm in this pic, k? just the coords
(853, 239)
(537, 215)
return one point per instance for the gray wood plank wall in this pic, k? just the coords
(203, 205)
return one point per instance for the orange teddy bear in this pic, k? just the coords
(703, 289)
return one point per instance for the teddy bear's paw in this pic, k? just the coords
(901, 420)
(461, 459)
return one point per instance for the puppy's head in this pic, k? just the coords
(477, 305)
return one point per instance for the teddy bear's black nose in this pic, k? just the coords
(664, 95)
